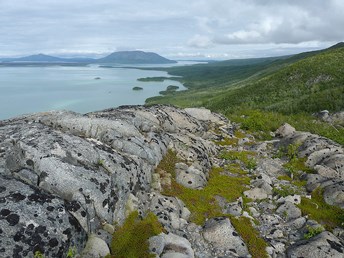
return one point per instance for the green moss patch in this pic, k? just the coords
(255, 244)
(202, 203)
(228, 142)
(245, 157)
(317, 209)
(168, 163)
(131, 239)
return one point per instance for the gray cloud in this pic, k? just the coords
(207, 28)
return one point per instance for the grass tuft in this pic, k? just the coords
(131, 239)
(317, 209)
(256, 245)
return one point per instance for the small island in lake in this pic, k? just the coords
(137, 88)
(169, 89)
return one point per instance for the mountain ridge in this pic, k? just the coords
(119, 57)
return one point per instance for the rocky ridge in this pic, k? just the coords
(67, 178)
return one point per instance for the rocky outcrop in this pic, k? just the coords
(67, 178)
(326, 158)
(335, 118)
(323, 245)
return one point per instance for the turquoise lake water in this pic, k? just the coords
(34, 89)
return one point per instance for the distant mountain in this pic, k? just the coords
(123, 57)
(39, 58)
(135, 57)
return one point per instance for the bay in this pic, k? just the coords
(77, 88)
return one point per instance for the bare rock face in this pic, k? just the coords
(323, 245)
(285, 130)
(32, 220)
(67, 178)
(171, 245)
(222, 235)
(64, 175)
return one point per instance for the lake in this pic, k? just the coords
(41, 88)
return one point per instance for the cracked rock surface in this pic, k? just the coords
(67, 178)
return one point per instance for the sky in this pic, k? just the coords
(176, 29)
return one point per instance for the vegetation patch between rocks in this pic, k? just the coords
(202, 202)
(131, 239)
(316, 208)
(256, 245)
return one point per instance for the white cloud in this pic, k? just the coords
(199, 41)
(214, 27)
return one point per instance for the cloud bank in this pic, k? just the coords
(231, 28)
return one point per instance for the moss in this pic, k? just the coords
(72, 252)
(168, 162)
(312, 231)
(255, 244)
(239, 134)
(131, 239)
(316, 208)
(235, 168)
(299, 183)
(246, 157)
(227, 141)
(285, 178)
(297, 164)
(284, 190)
(202, 203)
(38, 254)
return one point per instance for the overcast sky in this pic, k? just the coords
(217, 29)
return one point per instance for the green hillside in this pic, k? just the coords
(268, 91)
(309, 85)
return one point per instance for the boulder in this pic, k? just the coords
(289, 211)
(285, 130)
(170, 245)
(256, 194)
(323, 245)
(222, 235)
(190, 177)
(95, 248)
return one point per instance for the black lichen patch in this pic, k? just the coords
(105, 202)
(17, 250)
(50, 208)
(13, 219)
(17, 197)
(2, 189)
(335, 245)
(29, 162)
(5, 212)
(73, 221)
(103, 187)
(40, 229)
(18, 236)
(72, 206)
(67, 232)
(53, 242)
(94, 180)
(40, 197)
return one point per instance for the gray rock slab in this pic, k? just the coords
(222, 235)
(324, 245)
